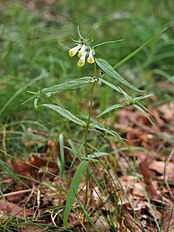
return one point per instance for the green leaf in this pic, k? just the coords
(110, 85)
(143, 112)
(78, 30)
(65, 113)
(116, 88)
(67, 86)
(142, 97)
(107, 42)
(143, 107)
(107, 68)
(80, 172)
(110, 108)
(108, 131)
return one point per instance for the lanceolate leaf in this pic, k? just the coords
(143, 112)
(108, 42)
(142, 97)
(108, 131)
(65, 113)
(80, 172)
(116, 88)
(107, 68)
(67, 86)
(110, 108)
(110, 85)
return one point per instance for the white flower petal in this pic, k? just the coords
(81, 61)
(82, 50)
(90, 57)
(74, 50)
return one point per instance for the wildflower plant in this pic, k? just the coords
(112, 79)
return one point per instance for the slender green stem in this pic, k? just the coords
(88, 121)
(86, 136)
(90, 112)
(86, 143)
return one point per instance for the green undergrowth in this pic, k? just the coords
(35, 67)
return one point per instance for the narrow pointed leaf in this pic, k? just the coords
(142, 97)
(110, 108)
(107, 68)
(65, 113)
(80, 172)
(146, 110)
(108, 131)
(128, 98)
(143, 112)
(67, 86)
(108, 42)
(116, 88)
(110, 85)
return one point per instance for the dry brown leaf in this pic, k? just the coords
(41, 162)
(145, 170)
(167, 111)
(138, 189)
(162, 167)
(131, 222)
(30, 228)
(14, 210)
(168, 219)
(102, 224)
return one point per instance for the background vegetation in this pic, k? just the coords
(32, 59)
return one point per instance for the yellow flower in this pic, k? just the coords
(82, 50)
(81, 61)
(90, 57)
(74, 50)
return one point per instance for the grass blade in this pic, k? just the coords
(80, 172)
(139, 49)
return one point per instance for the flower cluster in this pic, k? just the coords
(83, 50)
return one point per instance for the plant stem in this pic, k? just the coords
(86, 143)
(88, 121)
(86, 136)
